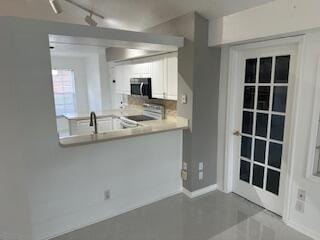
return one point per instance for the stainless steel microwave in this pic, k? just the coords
(141, 87)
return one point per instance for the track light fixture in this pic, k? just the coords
(88, 19)
(56, 8)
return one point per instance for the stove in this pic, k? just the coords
(150, 112)
(140, 118)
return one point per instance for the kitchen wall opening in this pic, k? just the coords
(122, 87)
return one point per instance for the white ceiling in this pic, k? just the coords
(127, 14)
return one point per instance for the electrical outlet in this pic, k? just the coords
(184, 98)
(200, 166)
(200, 175)
(302, 195)
(300, 206)
(184, 166)
(107, 195)
(184, 174)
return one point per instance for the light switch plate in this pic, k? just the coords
(184, 175)
(299, 206)
(107, 195)
(184, 98)
(184, 166)
(200, 166)
(200, 175)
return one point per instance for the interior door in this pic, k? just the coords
(261, 130)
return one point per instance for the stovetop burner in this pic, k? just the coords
(140, 118)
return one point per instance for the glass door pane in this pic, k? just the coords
(263, 121)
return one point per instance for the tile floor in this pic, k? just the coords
(215, 216)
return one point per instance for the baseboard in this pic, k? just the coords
(113, 215)
(200, 192)
(306, 231)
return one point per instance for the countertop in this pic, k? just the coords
(103, 114)
(147, 127)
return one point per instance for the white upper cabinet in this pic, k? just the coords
(141, 70)
(158, 77)
(172, 77)
(163, 71)
(164, 80)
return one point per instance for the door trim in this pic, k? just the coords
(234, 63)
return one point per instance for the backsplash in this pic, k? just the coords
(170, 105)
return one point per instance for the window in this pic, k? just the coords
(64, 91)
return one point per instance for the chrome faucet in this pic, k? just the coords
(93, 122)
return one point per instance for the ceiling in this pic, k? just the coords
(133, 15)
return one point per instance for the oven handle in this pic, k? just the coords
(141, 86)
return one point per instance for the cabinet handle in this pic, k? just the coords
(141, 87)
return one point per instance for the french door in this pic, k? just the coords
(264, 96)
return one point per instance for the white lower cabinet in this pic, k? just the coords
(82, 127)
(116, 124)
(105, 124)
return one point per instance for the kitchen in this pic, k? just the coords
(159, 119)
(111, 99)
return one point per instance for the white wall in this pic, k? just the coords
(78, 64)
(309, 221)
(46, 189)
(223, 88)
(115, 96)
(106, 83)
(93, 82)
(278, 17)
(67, 192)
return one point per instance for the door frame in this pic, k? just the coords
(233, 73)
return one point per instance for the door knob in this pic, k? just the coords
(237, 133)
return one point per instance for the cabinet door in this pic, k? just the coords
(116, 124)
(104, 124)
(141, 70)
(158, 78)
(80, 127)
(172, 77)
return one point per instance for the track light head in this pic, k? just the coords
(56, 8)
(89, 20)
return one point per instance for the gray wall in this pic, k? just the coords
(199, 73)
(46, 190)
(205, 106)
